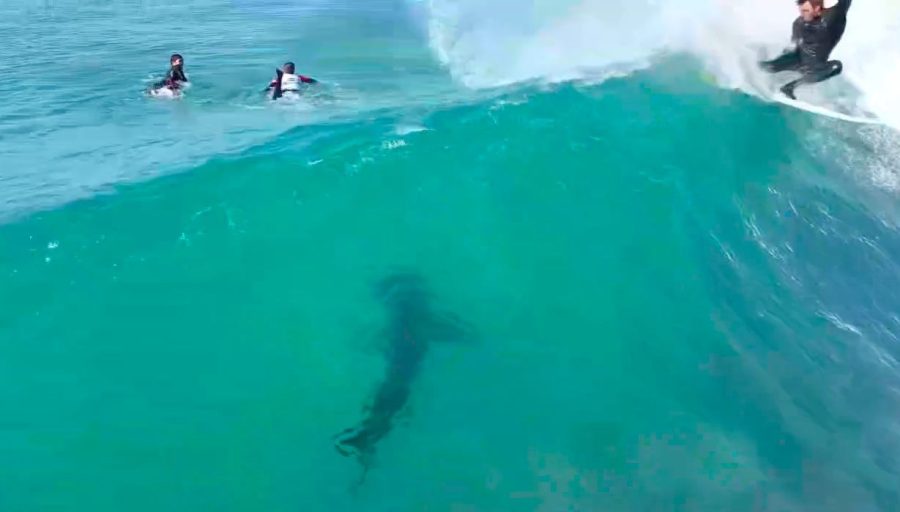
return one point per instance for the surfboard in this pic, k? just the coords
(164, 92)
(276, 92)
(822, 111)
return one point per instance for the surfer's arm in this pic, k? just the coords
(795, 31)
(837, 14)
(174, 75)
(842, 6)
(271, 85)
(307, 80)
(165, 82)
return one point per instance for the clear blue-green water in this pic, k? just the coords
(678, 297)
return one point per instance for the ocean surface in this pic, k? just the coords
(677, 295)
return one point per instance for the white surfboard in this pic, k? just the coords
(822, 111)
(165, 92)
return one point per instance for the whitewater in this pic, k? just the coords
(506, 256)
(494, 43)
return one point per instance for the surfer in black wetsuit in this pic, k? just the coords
(175, 76)
(816, 32)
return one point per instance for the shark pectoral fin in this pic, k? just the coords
(344, 442)
(447, 327)
(345, 451)
(404, 416)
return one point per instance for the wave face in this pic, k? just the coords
(680, 296)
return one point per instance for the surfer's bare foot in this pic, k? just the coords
(788, 91)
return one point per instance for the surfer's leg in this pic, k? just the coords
(821, 73)
(788, 88)
(786, 62)
(814, 75)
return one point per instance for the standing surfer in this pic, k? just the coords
(815, 33)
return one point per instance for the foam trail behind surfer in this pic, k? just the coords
(412, 325)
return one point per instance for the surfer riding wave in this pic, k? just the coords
(815, 33)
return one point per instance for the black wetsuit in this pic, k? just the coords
(815, 40)
(174, 77)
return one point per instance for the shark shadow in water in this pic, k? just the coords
(413, 324)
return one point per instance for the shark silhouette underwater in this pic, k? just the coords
(413, 325)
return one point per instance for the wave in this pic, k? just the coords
(488, 44)
(629, 221)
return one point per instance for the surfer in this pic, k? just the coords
(175, 77)
(286, 80)
(815, 33)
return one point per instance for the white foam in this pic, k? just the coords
(393, 144)
(492, 43)
(406, 129)
(165, 93)
(871, 53)
(487, 44)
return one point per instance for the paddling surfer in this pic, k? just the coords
(175, 77)
(287, 81)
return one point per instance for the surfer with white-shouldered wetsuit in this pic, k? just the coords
(815, 33)
(287, 81)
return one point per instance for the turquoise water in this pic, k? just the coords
(679, 297)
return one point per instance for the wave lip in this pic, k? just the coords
(487, 44)
(490, 44)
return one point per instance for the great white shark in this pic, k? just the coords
(413, 325)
